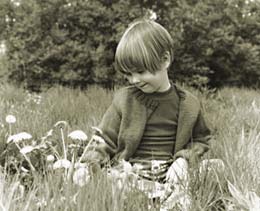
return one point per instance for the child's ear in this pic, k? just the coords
(166, 59)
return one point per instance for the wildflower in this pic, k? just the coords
(78, 135)
(63, 163)
(19, 137)
(50, 158)
(26, 149)
(10, 119)
(81, 176)
(61, 124)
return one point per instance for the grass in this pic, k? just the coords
(232, 114)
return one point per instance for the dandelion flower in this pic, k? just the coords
(61, 124)
(81, 176)
(10, 119)
(26, 149)
(78, 135)
(50, 158)
(63, 163)
(19, 137)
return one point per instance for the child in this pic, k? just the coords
(153, 122)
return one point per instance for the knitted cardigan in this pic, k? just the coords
(124, 122)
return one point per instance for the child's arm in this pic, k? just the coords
(199, 142)
(102, 152)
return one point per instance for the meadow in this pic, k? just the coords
(233, 115)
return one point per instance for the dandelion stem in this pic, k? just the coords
(63, 144)
(10, 129)
(85, 150)
(26, 158)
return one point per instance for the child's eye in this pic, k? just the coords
(127, 73)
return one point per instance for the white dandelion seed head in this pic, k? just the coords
(26, 149)
(19, 137)
(81, 177)
(78, 135)
(10, 119)
(50, 158)
(63, 163)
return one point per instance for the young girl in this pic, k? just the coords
(153, 122)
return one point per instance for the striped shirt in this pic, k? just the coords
(154, 153)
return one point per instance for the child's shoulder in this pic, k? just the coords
(124, 94)
(184, 94)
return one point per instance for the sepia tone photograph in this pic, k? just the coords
(129, 105)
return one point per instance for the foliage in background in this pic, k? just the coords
(73, 42)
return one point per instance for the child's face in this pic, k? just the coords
(150, 82)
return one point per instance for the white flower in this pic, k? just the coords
(50, 158)
(78, 135)
(19, 137)
(61, 124)
(81, 176)
(10, 119)
(63, 163)
(26, 149)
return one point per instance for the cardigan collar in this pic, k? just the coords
(189, 108)
(152, 103)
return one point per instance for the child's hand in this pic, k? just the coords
(178, 171)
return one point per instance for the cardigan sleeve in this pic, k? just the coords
(199, 141)
(102, 152)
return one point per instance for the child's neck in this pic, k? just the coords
(165, 87)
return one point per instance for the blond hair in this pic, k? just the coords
(142, 47)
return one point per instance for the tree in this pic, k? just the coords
(74, 42)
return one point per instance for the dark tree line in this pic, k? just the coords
(72, 42)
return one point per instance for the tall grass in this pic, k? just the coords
(232, 113)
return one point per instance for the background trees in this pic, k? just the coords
(73, 42)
